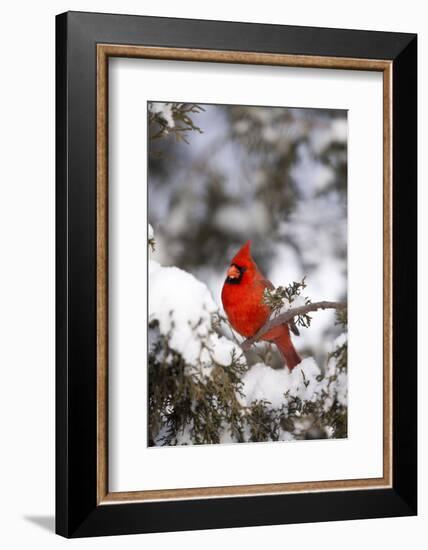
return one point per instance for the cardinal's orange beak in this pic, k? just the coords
(233, 272)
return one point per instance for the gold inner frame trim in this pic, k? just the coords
(104, 51)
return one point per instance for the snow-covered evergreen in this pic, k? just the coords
(201, 389)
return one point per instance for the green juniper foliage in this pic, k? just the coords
(182, 397)
(340, 353)
(175, 120)
(152, 244)
(282, 296)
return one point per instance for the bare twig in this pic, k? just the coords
(287, 316)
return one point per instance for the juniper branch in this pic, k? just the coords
(288, 316)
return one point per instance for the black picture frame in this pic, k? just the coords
(77, 512)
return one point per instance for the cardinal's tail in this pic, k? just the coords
(287, 350)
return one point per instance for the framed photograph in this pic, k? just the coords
(236, 248)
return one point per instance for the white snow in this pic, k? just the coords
(184, 308)
(340, 130)
(279, 386)
(241, 126)
(222, 350)
(244, 219)
(340, 340)
(150, 232)
(340, 389)
(321, 138)
(164, 110)
(312, 176)
(264, 383)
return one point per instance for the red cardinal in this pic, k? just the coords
(242, 298)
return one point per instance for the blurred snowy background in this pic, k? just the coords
(275, 175)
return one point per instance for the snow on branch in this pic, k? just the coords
(288, 316)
